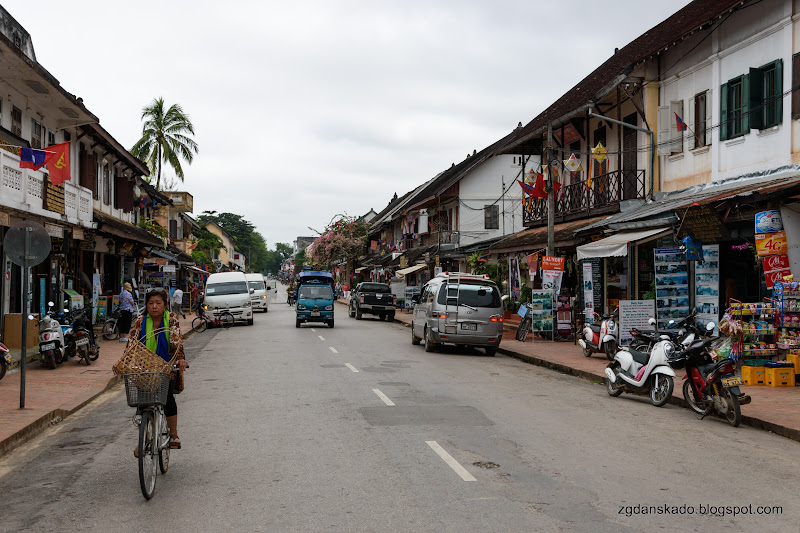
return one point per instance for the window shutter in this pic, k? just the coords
(118, 191)
(83, 169)
(709, 115)
(487, 217)
(756, 100)
(173, 229)
(795, 86)
(663, 131)
(779, 91)
(676, 108)
(724, 126)
(745, 104)
(91, 173)
(689, 119)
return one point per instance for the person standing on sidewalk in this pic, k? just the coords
(126, 308)
(177, 300)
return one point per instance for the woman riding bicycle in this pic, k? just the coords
(168, 346)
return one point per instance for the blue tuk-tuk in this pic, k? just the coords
(315, 297)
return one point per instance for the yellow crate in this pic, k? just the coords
(753, 375)
(779, 377)
(794, 358)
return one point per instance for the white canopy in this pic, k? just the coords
(616, 245)
(360, 269)
(404, 271)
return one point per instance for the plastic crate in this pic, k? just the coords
(753, 375)
(756, 362)
(779, 377)
(795, 359)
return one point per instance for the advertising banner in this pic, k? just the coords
(771, 243)
(634, 314)
(514, 281)
(672, 285)
(553, 263)
(542, 310)
(706, 286)
(588, 293)
(769, 222)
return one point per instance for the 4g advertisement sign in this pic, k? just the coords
(771, 243)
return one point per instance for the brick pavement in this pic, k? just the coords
(51, 395)
(775, 409)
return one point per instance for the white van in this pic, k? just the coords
(272, 290)
(258, 292)
(228, 291)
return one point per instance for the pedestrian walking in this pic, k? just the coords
(126, 307)
(177, 300)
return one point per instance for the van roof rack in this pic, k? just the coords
(461, 275)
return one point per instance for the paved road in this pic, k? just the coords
(289, 429)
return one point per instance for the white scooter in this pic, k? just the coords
(602, 337)
(51, 339)
(633, 371)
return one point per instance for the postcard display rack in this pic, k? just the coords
(542, 310)
(789, 331)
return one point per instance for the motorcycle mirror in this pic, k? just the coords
(670, 323)
(31, 317)
(651, 321)
(50, 304)
(710, 326)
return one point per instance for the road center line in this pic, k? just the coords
(447, 458)
(351, 367)
(312, 329)
(334, 350)
(321, 337)
(383, 397)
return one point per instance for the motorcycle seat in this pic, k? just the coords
(640, 357)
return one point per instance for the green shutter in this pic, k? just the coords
(724, 127)
(756, 100)
(778, 92)
(745, 104)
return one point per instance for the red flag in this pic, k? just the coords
(536, 190)
(59, 163)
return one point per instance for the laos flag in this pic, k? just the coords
(33, 158)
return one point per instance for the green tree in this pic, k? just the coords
(165, 137)
(207, 246)
(299, 262)
(247, 240)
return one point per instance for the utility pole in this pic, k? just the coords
(551, 195)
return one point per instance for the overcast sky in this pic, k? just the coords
(303, 110)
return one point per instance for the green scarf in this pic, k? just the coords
(152, 341)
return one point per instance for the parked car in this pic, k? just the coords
(461, 309)
(228, 291)
(258, 294)
(374, 299)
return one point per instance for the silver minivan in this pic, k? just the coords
(460, 309)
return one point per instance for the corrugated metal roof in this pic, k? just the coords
(765, 182)
(538, 236)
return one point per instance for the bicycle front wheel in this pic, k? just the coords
(163, 451)
(148, 465)
(199, 324)
(227, 320)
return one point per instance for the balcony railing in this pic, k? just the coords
(607, 191)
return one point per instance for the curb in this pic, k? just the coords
(56, 416)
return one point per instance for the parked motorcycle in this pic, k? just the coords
(83, 338)
(51, 339)
(682, 332)
(634, 371)
(601, 337)
(111, 326)
(5, 360)
(711, 386)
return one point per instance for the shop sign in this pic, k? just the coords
(404, 262)
(553, 263)
(54, 230)
(56, 245)
(771, 243)
(703, 224)
(634, 314)
(77, 234)
(769, 222)
(5, 220)
(168, 268)
(775, 268)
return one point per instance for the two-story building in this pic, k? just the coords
(223, 260)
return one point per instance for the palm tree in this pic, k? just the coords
(165, 137)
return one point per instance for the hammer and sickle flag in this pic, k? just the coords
(59, 163)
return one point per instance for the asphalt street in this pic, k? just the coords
(355, 429)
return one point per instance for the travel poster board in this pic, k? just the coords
(672, 285)
(706, 286)
(634, 314)
(542, 310)
(588, 293)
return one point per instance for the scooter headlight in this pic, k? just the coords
(669, 349)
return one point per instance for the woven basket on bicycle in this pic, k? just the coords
(141, 365)
(146, 388)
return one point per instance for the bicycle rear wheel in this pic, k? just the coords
(227, 320)
(199, 324)
(148, 467)
(163, 453)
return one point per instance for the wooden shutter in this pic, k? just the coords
(689, 119)
(724, 127)
(795, 86)
(663, 140)
(756, 99)
(675, 108)
(745, 104)
(83, 169)
(173, 229)
(709, 116)
(778, 92)
(118, 182)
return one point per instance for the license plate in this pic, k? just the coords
(45, 347)
(81, 342)
(377, 308)
(471, 327)
(732, 382)
(314, 313)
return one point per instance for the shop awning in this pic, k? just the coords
(164, 254)
(360, 270)
(616, 245)
(405, 271)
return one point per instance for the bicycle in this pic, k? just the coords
(200, 323)
(148, 391)
(525, 324)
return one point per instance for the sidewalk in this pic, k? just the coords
(51, 395)
(775, 409)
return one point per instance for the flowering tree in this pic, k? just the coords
(343, 239)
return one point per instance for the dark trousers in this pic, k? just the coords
(171, 408)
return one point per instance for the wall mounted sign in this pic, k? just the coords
(769, 222)
(703, 224)
(771, 243)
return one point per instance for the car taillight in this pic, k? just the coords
(496, 319)
(441, 315)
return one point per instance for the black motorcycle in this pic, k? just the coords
(80, 338)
